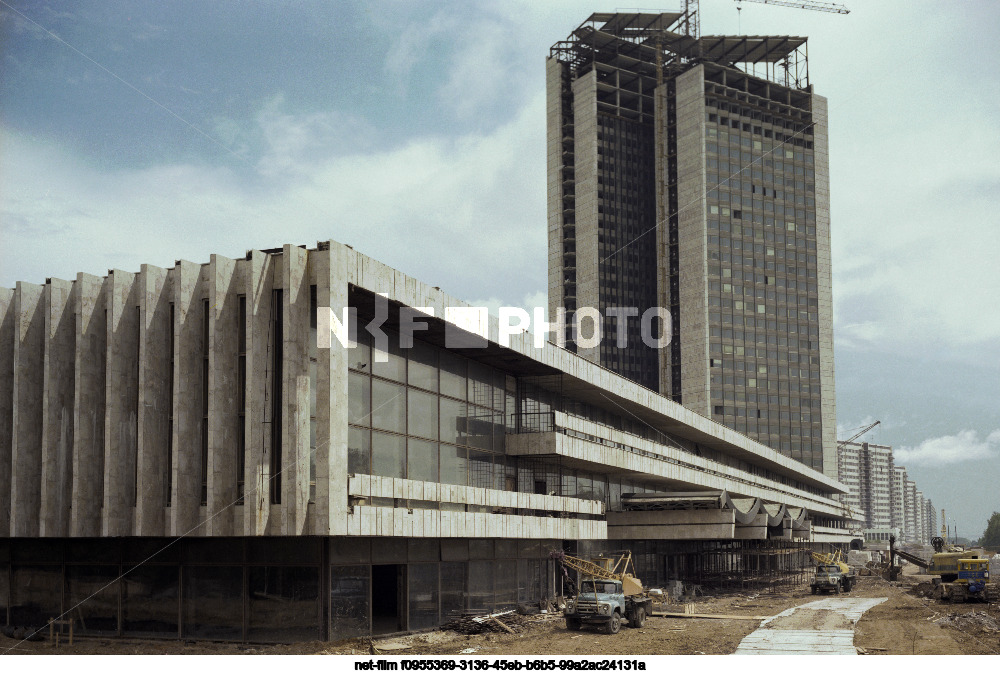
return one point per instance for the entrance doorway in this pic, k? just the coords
(388, 603)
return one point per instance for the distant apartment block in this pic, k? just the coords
(866, 469)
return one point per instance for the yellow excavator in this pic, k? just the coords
(608, 593)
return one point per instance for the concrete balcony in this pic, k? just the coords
(585, 445)
(513, 514)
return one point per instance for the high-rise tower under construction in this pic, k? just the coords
(691, 173)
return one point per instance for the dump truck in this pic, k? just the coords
(608, 593)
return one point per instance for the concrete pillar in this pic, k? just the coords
(258, 289)
(121, 382)
(88, 406)
(186, 464)
(331, 271)
(57, 408)
(223, 419)
(295, 391)
(26, 447)
(154, 391)
(6, 403)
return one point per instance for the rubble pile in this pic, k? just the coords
(507, 622)
(975, 619)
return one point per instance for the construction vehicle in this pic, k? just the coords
(961, 574)
(608, 593)
(943, 563)
(832, 574)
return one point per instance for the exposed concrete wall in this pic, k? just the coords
(260, 283)
(26, 449)
(186, 465)
(588, 251)
(824, 283)
(692, 244)
(121, 396)
(661, 144)
(6, 403)
(554, 70)
(223, 394)
(375, 486)
(672, 524)
(89, 406)
(57, 404)
(155, 297)
(295, 392)
(331, 509)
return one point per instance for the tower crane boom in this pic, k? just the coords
(805, 4)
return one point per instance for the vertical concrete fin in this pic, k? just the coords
(259, 287)
(121, 381)
(26, 449)
(88, 408)
(57, 408)
(331, 399)
(154, 404)
(6, 404)
(824, 285)
(186, 464)
(223, 394)
(554, 120)
(295, 390)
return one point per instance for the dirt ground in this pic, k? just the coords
(905, 624)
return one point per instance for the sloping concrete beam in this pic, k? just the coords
(223, 394)
(295, 391)
(26, 449)
(154, 408)
(186, 460)
(6, 403)
(89, 405)
(57, 412)
(121, 396)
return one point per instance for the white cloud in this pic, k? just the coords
(465, 213)
(962, 447)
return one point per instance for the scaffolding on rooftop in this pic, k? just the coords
(655, 45)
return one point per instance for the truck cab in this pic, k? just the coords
(599, 602)
(830, 578)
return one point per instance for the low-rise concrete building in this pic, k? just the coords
(193, 452)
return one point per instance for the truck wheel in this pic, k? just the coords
(573, 623)
(614, 623)
(812, 589)
(638, 618)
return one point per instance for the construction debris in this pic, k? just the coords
(506, 621)
(980, 619)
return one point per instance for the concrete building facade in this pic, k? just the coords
(182, 443)
(866, 469)
(898, 498)
(692, 174)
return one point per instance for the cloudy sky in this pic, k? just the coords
(152, 131)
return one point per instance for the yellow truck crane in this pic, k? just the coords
(609, 593)
(832, 574)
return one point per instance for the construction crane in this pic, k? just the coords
(612, 569)
(804, 4)
(692, 27)
(858, 434)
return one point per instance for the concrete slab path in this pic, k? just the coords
(824, 627)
